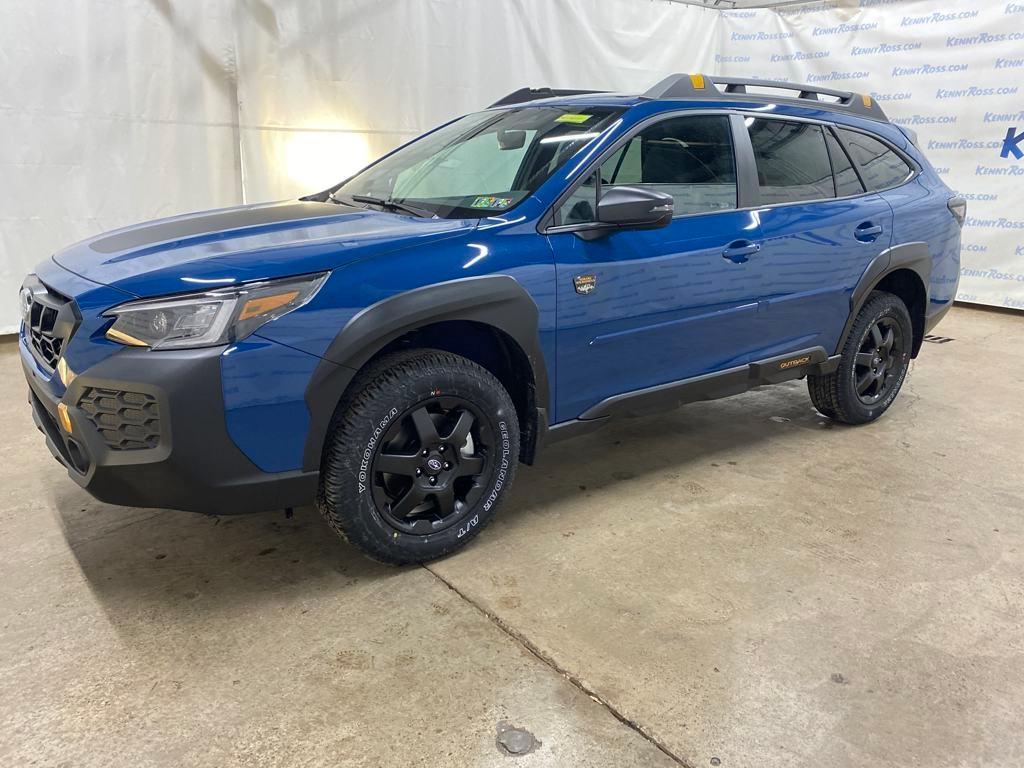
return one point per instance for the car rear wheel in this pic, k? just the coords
(419, 456)
(873, 364)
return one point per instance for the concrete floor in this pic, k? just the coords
(739, 583)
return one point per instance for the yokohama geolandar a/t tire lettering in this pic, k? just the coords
(419, 456)
(874, 362)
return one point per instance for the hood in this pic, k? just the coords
(252, 242)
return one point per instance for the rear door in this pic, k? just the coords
(921, 212)
(820, 231)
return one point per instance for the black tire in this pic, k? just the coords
(873, 363)
(429, 505)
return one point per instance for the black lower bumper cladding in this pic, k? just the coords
(186, 460)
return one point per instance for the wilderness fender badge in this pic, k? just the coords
(585, 284)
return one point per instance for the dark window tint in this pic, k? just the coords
(882, 167)
(690, 158)
(581, 205)
(792, 161)
(847, 181)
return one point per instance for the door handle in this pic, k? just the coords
(867, 232)
(737, 252)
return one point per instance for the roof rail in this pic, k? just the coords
(532, 94)
(682, 86)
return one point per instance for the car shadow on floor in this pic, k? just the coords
(145, 562)
(729, 433)
(139, 560)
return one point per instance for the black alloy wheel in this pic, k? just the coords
(873, 363)
(879, 360)
(428, 469)
(420, 454)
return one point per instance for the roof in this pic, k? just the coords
(697, 87)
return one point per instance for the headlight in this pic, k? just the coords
(209, 319)
(26, 299)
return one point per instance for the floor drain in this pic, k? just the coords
(514, 741)
(933, 339)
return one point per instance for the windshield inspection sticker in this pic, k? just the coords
(485, 201)
(572, 118)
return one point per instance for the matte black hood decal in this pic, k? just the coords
(237, 218)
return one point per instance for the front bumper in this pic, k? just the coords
(183, 459)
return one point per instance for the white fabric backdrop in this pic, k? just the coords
(120, 111)
(110, 113)
(323, 91)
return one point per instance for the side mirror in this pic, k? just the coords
(511, 139)
(635, 207)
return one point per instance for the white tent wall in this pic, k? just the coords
(117, 112)
(322, 91)
(110, 113)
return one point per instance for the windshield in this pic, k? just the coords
(479, 165)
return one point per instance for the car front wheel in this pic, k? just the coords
(419, 456)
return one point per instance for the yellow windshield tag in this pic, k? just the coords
(572, 118)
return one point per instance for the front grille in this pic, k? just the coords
(128, 421)
(50, 320)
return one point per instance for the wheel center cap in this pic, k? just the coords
(433, 465)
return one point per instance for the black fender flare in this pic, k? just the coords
(498, 301)
(913, 256)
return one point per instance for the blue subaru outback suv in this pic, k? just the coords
(394, 346)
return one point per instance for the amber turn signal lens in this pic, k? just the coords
(123, 338)
(262, 305)
(64, 416)
(65, 373)
(697, 81)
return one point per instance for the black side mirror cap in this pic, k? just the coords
(635, 207)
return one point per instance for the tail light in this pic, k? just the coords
(958, 207)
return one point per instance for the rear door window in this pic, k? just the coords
(881, 167)
(792, 161)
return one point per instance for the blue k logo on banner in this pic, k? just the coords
(1011, 144)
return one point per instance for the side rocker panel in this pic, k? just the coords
(665, 397)
(498, 301)
(713, 386)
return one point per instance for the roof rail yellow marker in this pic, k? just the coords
(698, 82)
(867, 100)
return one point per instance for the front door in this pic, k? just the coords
(639, 308)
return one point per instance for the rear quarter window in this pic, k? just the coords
(847, 180)
(880, 166)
